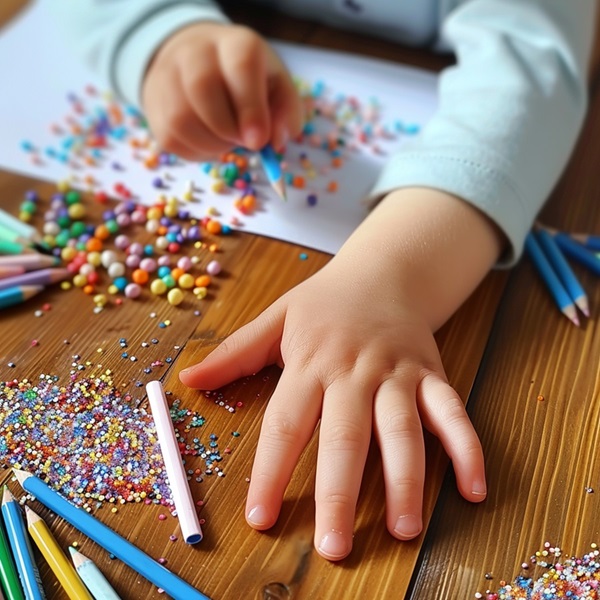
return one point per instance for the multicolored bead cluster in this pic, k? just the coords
(93, 443)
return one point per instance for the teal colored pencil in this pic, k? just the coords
(21, 548)
(92, 576)
(272, 168)
(111, 541)
(563, 270)
(9, 575)
(556, 288)
(21, 229)
(18, 294)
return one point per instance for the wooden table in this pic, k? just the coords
(507, 346)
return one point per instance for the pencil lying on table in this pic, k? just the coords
(18, 294)
(21, 548)
(92, 576)
(559, 293)
(55, 557)
(30, 262)
(39, 277)
(111, 541)
(563, 270)
(8, 570)
(11, 228)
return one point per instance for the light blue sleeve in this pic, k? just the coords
(118, 38)
(510, 110)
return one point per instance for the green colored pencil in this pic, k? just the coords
(8, 570)
(10, 247)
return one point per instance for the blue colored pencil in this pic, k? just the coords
(563, 270)
(21, 548)
(588, 240)
(92, 576)
(112, 542)
(272, 168)
(578, 252)
(16, 295)
(560, 295)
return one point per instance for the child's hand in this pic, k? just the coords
(356, 343)
(211, 87)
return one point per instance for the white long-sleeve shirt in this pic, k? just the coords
(510, 109)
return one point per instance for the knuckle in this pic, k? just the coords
(278, 427)
(344, 436)
(334, 497)
(400, 424)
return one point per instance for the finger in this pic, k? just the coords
(207, 94)
(287, 111)
(343, 445)
(444, 414)
(244, 352)
(288, 424)
(400, 437)
(175, 125)
(244, 72)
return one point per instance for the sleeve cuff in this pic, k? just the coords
(487, 189)
(135, 54)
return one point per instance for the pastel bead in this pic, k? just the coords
(132, 290)
(213, 267)
(186, 281)
(158, 287)
(175, 296)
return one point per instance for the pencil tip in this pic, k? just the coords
(583, 305)
(7, 495)
(21, 476)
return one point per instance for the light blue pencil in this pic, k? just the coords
(272, 168)
(111, 541)
(564, 271)
(21, 548)
(578, 252)
(24, 230)
(556, 288)
(92, 576)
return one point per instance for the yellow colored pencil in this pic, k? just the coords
(55, 557)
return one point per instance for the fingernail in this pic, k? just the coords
(252, 138)
(479, 488)
(258, 516)
(334, 545)
(408, 526)
(284, 138)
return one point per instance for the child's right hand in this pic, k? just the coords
(211, 86)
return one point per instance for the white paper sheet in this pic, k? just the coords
(38, 72)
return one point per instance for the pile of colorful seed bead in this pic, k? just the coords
(93, 443)
(573, 578)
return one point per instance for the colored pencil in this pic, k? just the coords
(563, 270)
(178, 483)
(112, 542)
(30, 262)
(560, 295)
(61, 566)
(18, 294)
(21, 548)
(11, 271)
(272, 168)
(10, 247)
(591, 242)
(8, 570)
(578, 252)
(21, 229)
(92, 576)
(39, 277)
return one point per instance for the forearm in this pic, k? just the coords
(425, 246)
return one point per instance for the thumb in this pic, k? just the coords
(244, 352)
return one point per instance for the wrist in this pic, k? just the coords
(431, 247)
